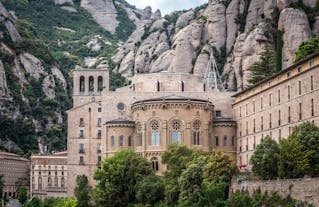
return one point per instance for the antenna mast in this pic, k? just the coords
(212, 77)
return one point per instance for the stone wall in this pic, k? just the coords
(306, 189)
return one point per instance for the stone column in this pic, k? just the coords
(164, 135)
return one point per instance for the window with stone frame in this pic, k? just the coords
(121, 141)
(139, 141)
(176, 131)
(196, 132)
(155, 164)
(155, 134)
(112, 141)
(91, 84)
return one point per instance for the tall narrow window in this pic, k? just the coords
(99, 148)
(312, 108)
(269, 99)
(121, 141)
(154, 161)
(240, 129)
(262, 123)
(81, 148)
(82, 84)
(112, 141)
(261, 103)
(81, 160)
(233, 141)
(254, 128)
(246, 144)
(289, 117)
(246, 127)
(254, 144)
(81, 122)
(239, 111)
(129, 141)
(311, 83)
(176, 132)
(100, 83)
(299, 87)
(246, 109)
(81, 133)
(196, 132)
(288, 92)
(300, 111)
(158, 86)
(279, 96)
(253, 106)
(99, 134)
(91, 84)
(155, 135)
(217, 141)
(225, 140)
(139, 134)
(182, 85)
(279, 118)
(99, 121)
(270, 125)
(204, 87)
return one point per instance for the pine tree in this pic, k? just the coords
(263, 68)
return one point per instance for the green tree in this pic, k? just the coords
(265, 159)
(34, 202)
(176, 157)
(294, 161)
(220, 168)
(307, 134)
(118, 179)
(307, 48)
(70, 202)
(82, 191)
(22, 195)
(263, 68)
(150, 190)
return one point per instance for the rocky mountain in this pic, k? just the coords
(235, 30)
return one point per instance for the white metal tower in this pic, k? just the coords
(212, 77)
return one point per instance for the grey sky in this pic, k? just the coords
(167, 6)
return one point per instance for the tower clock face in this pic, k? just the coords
(121, 106)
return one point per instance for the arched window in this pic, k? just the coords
(82, 84)
(100, 83)
(196, 132)
(121, 141)
(139, 134)
(91, 83)
(154, 161)
(155, 136)
(176, 131)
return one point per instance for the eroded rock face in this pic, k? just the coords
(48, 86)
(215, 28)
(8, 21)
(32, 65)
(232, 13)
(295, 28)
(184, 19)
(104, 13)
(3, 81)
(63, 2)
(58, 74)
(147, 13)
(157, 14)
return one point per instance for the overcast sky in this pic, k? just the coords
(167, 6)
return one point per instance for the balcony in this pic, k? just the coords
(82, 151)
